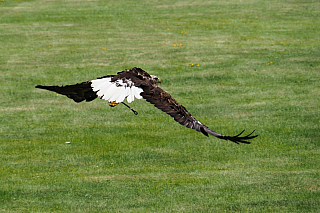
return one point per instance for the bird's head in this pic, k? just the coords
(158, 80)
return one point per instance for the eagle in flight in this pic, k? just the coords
(137, 83)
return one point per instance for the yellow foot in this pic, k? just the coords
(113, 103)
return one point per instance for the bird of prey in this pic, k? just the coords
(137, 83)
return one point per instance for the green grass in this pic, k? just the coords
(258, 69)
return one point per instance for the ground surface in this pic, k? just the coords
(234, 65)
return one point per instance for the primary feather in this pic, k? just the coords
(136, 83)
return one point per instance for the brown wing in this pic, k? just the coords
(164, 101)
(77, 92)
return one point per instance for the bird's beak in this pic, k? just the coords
(159, 80)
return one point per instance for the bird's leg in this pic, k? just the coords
(135, 112)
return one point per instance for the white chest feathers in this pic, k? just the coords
(116, 91)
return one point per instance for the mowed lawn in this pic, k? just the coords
(234, 65)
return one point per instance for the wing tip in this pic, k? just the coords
(243, 139)
(40, 86)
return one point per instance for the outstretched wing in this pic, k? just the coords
(113, 88)
(77, 92)
(164, 101)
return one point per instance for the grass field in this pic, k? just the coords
(233, 64)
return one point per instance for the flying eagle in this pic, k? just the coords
(136, 83)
